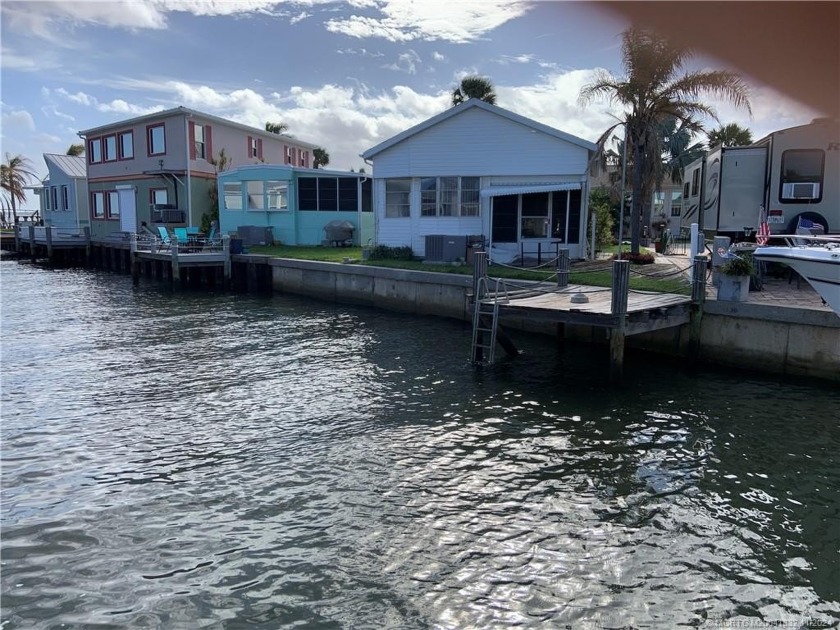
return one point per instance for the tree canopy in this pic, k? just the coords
(474, 87)
(15, 173)
(320, 158)
(731, 135)
(76, 150)
(655, 89)
(276, 127)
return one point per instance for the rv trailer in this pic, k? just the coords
(792, 174)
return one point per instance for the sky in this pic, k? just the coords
(343, 75)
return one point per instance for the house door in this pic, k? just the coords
(128, 209)
(505, 218)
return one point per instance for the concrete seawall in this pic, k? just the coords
(774, 339)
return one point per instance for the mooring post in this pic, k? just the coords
(48, 233)
(135, 260)
(88, 249)
(479, 271)
(620, 292)
(562, 268)
(226, 250)
(32, 242)
(698, 300)
(176, 267)
(17, 238)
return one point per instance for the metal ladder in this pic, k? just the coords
(485, 309)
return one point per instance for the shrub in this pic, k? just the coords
(738, 265)
(642, 258)
(383, 252)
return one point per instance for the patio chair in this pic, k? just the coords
(165, 239)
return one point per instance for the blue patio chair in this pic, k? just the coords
(165, 240)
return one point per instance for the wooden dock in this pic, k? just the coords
(618, 309)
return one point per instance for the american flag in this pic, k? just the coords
(762, 237)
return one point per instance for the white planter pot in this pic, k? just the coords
(733, 288)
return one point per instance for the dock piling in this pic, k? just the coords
(562, 268)
(698, 300)
(620, 291)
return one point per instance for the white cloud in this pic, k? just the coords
(406, 20)
(438, 56)
(80, 98)
(509, 59)
(407, 62)
(299, 17)
(120, 106)
(18, 119)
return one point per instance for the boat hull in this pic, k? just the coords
(819, 266)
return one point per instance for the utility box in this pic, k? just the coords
(442, 248)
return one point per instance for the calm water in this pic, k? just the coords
(186, 460)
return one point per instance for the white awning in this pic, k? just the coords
(498, 191)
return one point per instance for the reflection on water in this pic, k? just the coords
(185, 460)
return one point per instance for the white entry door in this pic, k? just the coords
(128, 209)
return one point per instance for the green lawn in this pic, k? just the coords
(591, 278)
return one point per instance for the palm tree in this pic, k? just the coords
(278, 128)
(320, 157)
(76, 150)
(731, 135)
(15, 173)
(474, 87)
(653, 90)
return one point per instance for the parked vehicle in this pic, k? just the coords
(792, 174)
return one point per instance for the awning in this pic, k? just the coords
(499, 191)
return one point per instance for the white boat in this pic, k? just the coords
(815, 258)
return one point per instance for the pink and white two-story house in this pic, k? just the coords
(159, 168)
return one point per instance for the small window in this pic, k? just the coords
(159, 196)
(55, 197)
(348, 194)
(397, 198)
(113, 204)
(307, 193)
(97, 205)
(676, 203)
(95, 150)
(328, 194)
(65, 198)
(277, 195)
(126, 141)
(200, 146)
(253, 147)
(802, 176)
(157, 140)
(535, 220)
(686, 190)
(470, 190)
(233, 195)
(695, 183)
(428, 197)
(45, 195)
(255, 195)
(110, 144)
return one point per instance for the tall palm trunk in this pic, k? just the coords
(636, 200)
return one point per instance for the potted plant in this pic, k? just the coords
(735, 275)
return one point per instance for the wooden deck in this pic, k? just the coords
(646, 310)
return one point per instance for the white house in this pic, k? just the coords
(64, 192)
(478, 169)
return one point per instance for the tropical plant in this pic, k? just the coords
(15, 173)
(221, 162)
(653, 90)
(278, 127)
(738, 265)
(731, 135)
(76, 150)
(474, 87)
(601, 212)
(320, 157)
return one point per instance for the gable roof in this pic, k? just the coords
(493, 109)
(70, 165)
(186, 111)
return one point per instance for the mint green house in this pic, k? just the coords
(297, 203)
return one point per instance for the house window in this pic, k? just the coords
(126, 142)
(159, 196)
(157, 139)
(54, 194)
(695, 183)
(255, 195)
(113, 204)
(277, 195)
(535, 220)
(290, 155)
(449, 196)
(686, 190)
(676, 203)
(327, 193)
(307, 193)
(110, 145)
(802, 176)
(65, 198)
(428, 197)
(95, 150)
(233, 195)
(303, 158)
(348, 194)
(253, 147)
(45, 196)
(200, 146)
(397, 198)
(97, 205)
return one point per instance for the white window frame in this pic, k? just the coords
(109, 148)
(153, 149)
(95, 150)
(200, 142)
(398, 209)
(277, 195)
(448, 199)
(235, 189)
(94, 196)
(65, 198)
(255, 194)
(121, 145)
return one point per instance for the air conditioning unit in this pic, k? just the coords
(801, 190)
(441, 248)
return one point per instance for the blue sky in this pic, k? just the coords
(344, 75)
